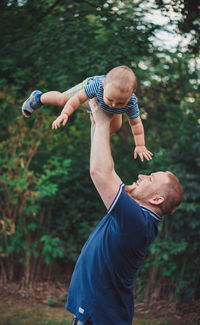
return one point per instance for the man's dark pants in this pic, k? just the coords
(78, 322)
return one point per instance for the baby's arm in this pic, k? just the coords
(72, 104)
(138, 133)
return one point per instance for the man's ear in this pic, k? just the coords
(156, 200)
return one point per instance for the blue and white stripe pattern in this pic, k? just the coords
(116, 198)
(94, 88)
(144, 209)
(152, 213)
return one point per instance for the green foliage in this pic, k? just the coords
(48, 203)
(52, 303)
(175, 255)
(189, 226)
(187, 22)
(147, 322)
(51, 248)
(25, 315)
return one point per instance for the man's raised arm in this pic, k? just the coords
(102, 170)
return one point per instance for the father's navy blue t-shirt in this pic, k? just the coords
(102, 282)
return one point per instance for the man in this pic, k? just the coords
(101, 289)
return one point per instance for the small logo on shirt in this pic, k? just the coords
(81, 310)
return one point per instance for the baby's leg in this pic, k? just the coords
(54, 98)
(116, 123)
(37, 99)
(59, 99)
(74, 90)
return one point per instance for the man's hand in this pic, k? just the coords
(62, 118)
(142, 152)
(99, 116)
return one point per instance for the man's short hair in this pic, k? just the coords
(173, 194)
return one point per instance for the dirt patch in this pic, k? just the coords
(55, 295)
(45, 293)
(180, 313)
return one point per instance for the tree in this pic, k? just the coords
(187, 24)
(44, 47)
(174, 133)
(49, 203)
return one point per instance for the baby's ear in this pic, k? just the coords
(103, 83)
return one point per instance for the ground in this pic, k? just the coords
(47, 300)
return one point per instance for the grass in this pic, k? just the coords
(37, 315)
(46, 315)
(148, 322)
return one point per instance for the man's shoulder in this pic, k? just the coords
(125, 204)
(123, 201)
(151, 213)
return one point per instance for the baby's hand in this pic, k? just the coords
(142, 152)
(62, 118)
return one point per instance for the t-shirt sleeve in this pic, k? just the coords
(127, 213)
(91, 88)
(133, 109)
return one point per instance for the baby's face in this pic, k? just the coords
(115, 98)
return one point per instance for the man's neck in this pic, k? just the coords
(151, 207)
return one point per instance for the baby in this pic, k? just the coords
(114, 93)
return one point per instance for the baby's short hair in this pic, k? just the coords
(122, 77)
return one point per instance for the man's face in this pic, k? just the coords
(148, 186)
(115, 98)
